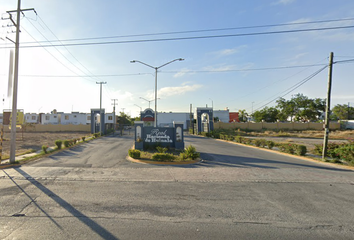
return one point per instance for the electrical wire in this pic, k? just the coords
(191, 38)
(67, 48)
(198, 31)
(292, 88)
(62, 53)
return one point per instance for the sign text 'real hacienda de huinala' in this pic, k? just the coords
(158, 136)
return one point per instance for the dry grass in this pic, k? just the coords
(347, 134)
(33, 141)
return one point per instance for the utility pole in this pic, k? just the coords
(15, 83)
(328, 103)
(114, 114)
(100, 83)
(191, 118)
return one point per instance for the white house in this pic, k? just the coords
(32, 118)
(109, 118)
(74, 118)
(223, 115)
(51, 118)
(167, 119)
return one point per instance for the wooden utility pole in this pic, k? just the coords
(15, 83)
(101, 104)
(114, 114)
(328, 103)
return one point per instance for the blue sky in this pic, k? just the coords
(210, 73)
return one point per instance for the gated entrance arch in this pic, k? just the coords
(95, 128)
(205, 124)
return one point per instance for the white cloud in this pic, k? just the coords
(284, 2)
(226, 68)
(229, 51)
(171, 91)
(182, 73)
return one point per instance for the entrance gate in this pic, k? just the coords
(206, 124)
(94, 129)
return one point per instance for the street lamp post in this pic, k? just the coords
(148, 100)
(156, 68)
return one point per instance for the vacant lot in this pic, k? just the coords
(28, 141)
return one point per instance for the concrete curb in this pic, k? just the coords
(290, 155)
(160, 163)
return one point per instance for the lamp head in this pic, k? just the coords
(133, 61)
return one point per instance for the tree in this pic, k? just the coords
(340, 112)
(242, 115)
(300, 108)
(287, 109)
(266, 114)
(124, 119)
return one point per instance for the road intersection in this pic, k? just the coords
(92, 191)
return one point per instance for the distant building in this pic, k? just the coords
(233, 117)
(222, 115)
(167, 119)
(32, 118)
(74, 118)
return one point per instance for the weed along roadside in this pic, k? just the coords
(60, 145)
(337, 153)
(164, 155)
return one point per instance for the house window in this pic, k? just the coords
(27, 117)
(47, 118)
(74, 116)
(110, 118)
(66, 117)
(88, 118)
(55, 116)
(33, 117)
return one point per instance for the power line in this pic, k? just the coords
(249, 69)
(197, 31)
(192, 38)
(297, 85)
(60, 51)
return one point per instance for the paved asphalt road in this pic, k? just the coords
(92, 192)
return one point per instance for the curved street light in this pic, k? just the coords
(148, 100)
(156, 68)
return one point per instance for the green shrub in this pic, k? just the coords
(83, 139)
(270, 144)
(345, 152)
(134, 153)
(66, 143)
(58, 143)
(263, 142)
(204, 134)
(247, 141)
(239, 139)
(300, 150)
(96, 135)
(163, 156)
(331, 149)
(191, 152)
(257, 142)
(161, 149)
(44, 148)
(286, 147)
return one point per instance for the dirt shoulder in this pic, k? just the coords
(28, 141)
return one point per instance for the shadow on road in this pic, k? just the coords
(105, 234)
